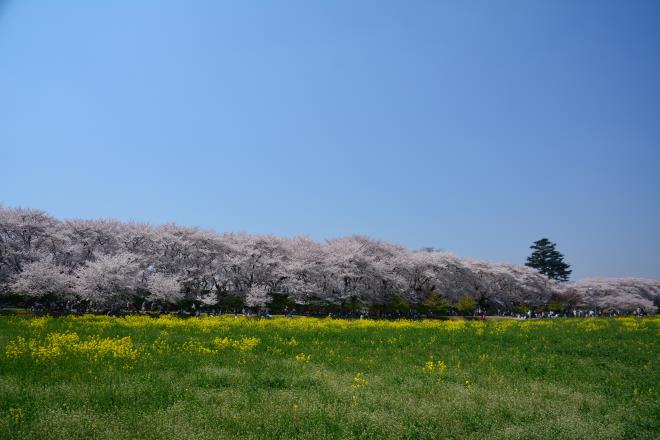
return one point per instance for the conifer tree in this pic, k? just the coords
(547, 260)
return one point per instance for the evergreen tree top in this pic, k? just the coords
(547, 260)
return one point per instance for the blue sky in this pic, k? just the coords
(475, 127)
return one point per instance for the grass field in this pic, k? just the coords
(139, 377)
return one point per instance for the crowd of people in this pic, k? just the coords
(75, 307)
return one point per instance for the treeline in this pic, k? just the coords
(107, 262)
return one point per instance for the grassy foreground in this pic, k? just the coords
(140, 377)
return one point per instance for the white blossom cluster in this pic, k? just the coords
(107, 261)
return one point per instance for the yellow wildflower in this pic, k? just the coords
(303, 357)
(359, 381)
(16, 347)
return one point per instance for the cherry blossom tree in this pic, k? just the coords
(258, 296)
(163, 289)
(25, 236)
(622, 294)
(43, 277)
(109, 262)
(108, 279)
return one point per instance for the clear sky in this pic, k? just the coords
(472, 126)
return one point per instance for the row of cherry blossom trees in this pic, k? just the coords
(106, 262)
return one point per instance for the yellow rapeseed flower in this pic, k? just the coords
(359, 381)
(302, 357)
(431, 367)
(16, 347)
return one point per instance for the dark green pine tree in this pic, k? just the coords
(547, 260)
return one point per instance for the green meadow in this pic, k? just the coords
(304, 378)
